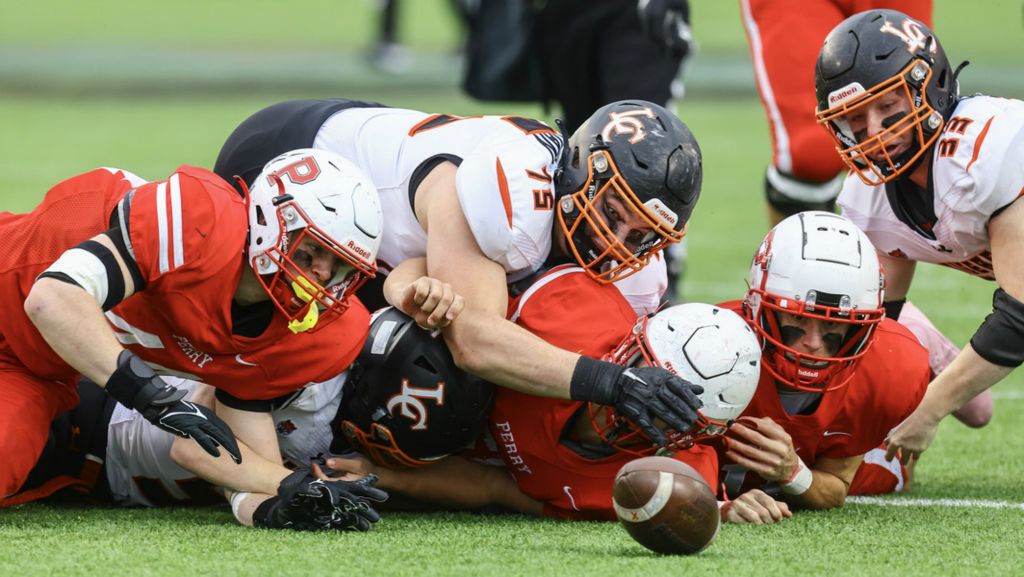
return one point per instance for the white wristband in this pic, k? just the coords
(800, 481)
(236, 502)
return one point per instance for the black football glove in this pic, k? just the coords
(667, 24)
(136, 386)
(639, 394)
(304, 503)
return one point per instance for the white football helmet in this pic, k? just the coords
(819, 266)
(312, 195)
(708, 346)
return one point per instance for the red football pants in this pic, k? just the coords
(785, 38)
(28, 404)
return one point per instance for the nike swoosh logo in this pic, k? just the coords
(568, 493)
(834, 433)
(242, 361)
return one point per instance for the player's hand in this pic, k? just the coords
(762, 446)
(666, 23)
(308, 503)
(136, 386)
(185, 419)
(646, 393)
(756, 507)
(431, 303)
(910, 438)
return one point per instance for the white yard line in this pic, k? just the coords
(900, 502)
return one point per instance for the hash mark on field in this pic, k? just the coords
(1008, 395)
(898, 502)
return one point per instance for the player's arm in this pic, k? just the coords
(481, 340)
(67, 304)
(996, 348)
(762, 446)
(452, 482)
(484, 343)
(899, 272)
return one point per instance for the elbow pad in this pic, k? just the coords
(1000, 339)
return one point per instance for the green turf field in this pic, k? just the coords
(143, 86)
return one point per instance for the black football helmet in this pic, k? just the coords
(646, 157)
(405, 403)
(870, 55)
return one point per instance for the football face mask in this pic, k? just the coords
(306, 303)
(704, 344)
(587, 217)
(905, 135)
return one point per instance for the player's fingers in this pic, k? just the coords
(891, 449)
(456, 309)
(771, 506)
(318, 472)
(444, 300)
(751, 464)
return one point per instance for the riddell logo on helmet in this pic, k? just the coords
(627, 123)
(664, 213)
(845, 94)
(358, 249)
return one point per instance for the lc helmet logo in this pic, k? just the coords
(412, 407)
(627, 122)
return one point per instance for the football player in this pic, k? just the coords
(562, 454)
(115, 278)
(784, 41)
(835, 376)
(489, 199)
(402, 402)
(937, 180)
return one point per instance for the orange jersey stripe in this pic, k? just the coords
(506, 199)
(977, 144)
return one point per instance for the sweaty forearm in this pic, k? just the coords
(73, 325)
(510, 356)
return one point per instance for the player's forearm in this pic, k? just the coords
(508, 355)
(75, 328)
(254, 474)
(459, 483)
(967, 376)
(826, 492)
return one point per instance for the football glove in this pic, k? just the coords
(136, 386)
(304, 503)
(639, 394)
(667, 24)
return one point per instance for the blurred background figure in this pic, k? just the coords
(387, 54)
(581, 55)
(785, 38)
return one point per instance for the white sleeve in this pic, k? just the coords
(497, 185)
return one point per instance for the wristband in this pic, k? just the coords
(800, 481)
(594, 381)
(236, 502)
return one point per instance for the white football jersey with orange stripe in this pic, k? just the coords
(503, 181)
(977, 170)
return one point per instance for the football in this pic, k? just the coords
(666, 506)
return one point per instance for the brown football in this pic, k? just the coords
(666, 506)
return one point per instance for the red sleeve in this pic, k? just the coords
(704, 460)
(173, 223)
(574, 313)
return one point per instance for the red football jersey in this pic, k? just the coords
(188, 237)
(568, 309)
(889, 382)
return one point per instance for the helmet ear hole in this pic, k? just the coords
(261, 219)
(425, 364)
